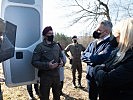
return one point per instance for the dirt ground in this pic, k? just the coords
(70, 93)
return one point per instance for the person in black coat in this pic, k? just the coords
(115, 77)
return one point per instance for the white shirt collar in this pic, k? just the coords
(100, 40)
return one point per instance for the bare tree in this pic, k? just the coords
(121, 9)
(91, 11)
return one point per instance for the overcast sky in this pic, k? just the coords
(55, 15)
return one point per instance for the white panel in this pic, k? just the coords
(23, 1)
(27, 15)
(28, 24)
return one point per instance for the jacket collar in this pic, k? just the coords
(45, 43)
(128, 54)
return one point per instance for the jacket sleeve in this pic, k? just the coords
(36, 59)
(102, 56)
(85, 57)
(118, 77)
(64, 57)
(83, 48)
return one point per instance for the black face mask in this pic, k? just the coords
(75, 41)
(96, 35)
(50, 38)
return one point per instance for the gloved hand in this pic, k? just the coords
(97, 68)
(100, 77)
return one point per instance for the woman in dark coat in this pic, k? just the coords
(115, 77)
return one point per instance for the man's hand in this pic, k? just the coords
(53, 64)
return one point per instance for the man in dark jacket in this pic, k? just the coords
(96, 53)
(47, 58)
(75, 49)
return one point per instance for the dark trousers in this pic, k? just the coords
(114, 94)
(76, 65)
(30, 90)
(107, 94)
(61, 85)
(93, 90)
(47, 82)
(1, 95)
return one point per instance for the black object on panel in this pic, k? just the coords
(7, 47)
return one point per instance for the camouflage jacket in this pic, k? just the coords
(43, 54)
(75, 50)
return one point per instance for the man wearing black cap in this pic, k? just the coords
(47, 58)
(75, 49)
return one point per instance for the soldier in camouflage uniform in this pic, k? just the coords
(47, 58)
(75, 49)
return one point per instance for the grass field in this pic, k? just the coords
(20, 92)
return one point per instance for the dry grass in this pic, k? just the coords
(20, 93)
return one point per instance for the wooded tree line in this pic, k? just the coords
(65, 40)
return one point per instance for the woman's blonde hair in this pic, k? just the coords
(125, 29)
